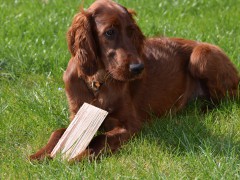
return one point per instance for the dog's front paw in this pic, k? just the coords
(39, 156)
(86, 154)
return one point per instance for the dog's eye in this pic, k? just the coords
(110, 33)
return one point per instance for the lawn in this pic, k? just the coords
(33, 56)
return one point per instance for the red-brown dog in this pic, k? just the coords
(113, 66)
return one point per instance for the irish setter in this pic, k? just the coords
(115, 67)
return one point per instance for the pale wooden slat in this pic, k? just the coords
(80, 131)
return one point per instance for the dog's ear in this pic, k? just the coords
(81, 44)
(137, 36)
(132, 12)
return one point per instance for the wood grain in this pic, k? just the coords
(80, 131)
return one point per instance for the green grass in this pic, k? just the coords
(33, 56)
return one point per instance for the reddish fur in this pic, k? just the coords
(176, 70)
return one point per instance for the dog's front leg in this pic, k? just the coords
(47, 149)
(110, 141)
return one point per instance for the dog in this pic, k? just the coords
(115, 67)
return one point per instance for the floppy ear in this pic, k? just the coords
(132, 12)
(81, 43)
(137, 36)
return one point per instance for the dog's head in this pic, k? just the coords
(106, 36)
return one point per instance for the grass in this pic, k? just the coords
(33, 56)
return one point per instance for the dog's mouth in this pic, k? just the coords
(122, 75)
(135, 76)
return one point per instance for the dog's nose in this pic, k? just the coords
(136, 68)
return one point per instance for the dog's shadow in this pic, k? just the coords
(192, 131)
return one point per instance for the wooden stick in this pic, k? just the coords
(80, 132)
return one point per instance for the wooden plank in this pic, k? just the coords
(80, 131)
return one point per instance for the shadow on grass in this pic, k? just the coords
(192, 131)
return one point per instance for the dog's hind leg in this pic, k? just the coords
(215, 71)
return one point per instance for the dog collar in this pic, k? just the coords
(95, 82)
(95, 85)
